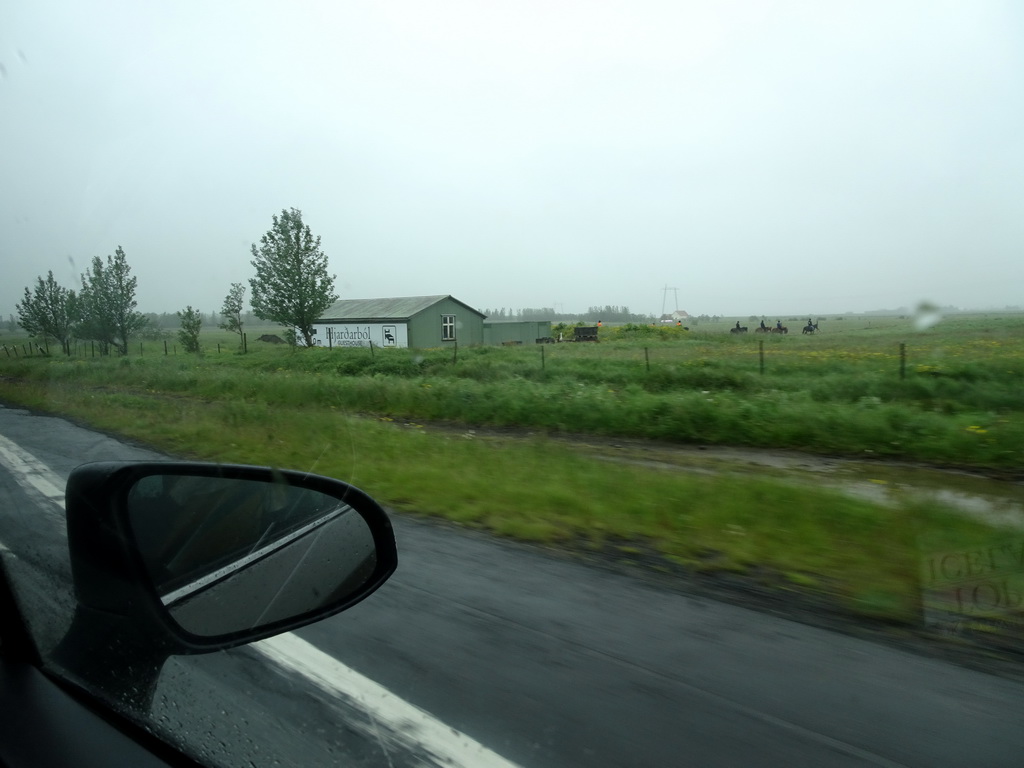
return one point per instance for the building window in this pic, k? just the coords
(447, 327)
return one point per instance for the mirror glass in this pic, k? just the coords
(227, 555)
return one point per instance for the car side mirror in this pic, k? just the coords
(182, 557)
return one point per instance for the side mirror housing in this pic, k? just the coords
(182, 557)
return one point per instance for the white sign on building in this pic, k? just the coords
(360, 335)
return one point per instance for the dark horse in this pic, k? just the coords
(780, 329)
(810, 328)
(738, 329)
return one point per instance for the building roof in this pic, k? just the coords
(515, 322)
(401, 308)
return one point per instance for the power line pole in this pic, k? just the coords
(664, 299)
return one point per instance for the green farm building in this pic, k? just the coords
(418, 322)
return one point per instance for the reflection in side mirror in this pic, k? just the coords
(231, 555)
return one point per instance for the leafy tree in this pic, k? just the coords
(291, 286)
(231, 312)
(49, 312)
(107, 302)
(191, 324)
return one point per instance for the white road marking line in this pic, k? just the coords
(407, 725)
(408, 728)
(29, 472)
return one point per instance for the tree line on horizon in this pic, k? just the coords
(291, 287)
(606, 314)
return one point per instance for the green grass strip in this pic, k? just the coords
(859, 553)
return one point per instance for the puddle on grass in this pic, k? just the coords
(998, 502)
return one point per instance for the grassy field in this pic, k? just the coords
(373, 418)
(951, 395)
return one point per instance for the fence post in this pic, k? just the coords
(542, 357)
(165, 347)
(245, 343)
(760, 352)
(647, 359)
(903, 361)
(218, 347)
(140, 349)
(455, 351)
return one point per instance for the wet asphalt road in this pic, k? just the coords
(544, 661)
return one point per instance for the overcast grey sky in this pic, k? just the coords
(760, 157)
